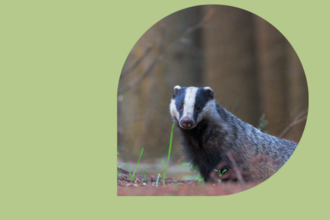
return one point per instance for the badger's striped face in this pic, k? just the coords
(190, 104)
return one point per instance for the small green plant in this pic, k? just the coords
(262, 123)
(220, 172)
(200, 179)
(118, 171)
(132, 177)
(168, 157)
(185, 164)
(188, 164)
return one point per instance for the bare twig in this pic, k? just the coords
(201, 23)
(139, 80)
(298, 119)
(190, 30)
(131, 68)
(196, 181)
(160, 57)
(300, 114)
(237, 171)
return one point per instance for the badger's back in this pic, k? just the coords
(216, 139)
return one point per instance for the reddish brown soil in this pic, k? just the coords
(173, 187)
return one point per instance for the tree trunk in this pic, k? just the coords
(272, 60)
(230, 61)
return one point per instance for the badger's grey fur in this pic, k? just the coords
(210, 134)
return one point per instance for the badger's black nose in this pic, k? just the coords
(186, 122)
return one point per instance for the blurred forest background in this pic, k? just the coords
(253, 69)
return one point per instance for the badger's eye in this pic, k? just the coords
(197, 108)
(180, 106)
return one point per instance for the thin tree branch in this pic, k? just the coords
(140, 79)
(131, 68)
(160, 57)
(201, 23)
(300, 114)
(296, 120)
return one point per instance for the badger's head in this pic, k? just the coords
(190, 105)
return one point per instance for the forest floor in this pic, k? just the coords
(147, 186)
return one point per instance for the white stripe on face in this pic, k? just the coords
(174, 112)
(189, 103)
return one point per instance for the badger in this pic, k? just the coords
(212, 136)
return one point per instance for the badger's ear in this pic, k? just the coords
(175, 90)
(209, 92)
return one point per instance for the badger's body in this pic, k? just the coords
(211, 136)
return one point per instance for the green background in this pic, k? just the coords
(59, 67)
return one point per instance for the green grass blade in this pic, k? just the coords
(170, 147)
(168, 156)
(164, 172)
(137, 164)
(157, 179)
(129, 168)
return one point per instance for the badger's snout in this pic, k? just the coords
(186, 123)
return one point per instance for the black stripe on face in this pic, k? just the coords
(202, 97)
(179, 100)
